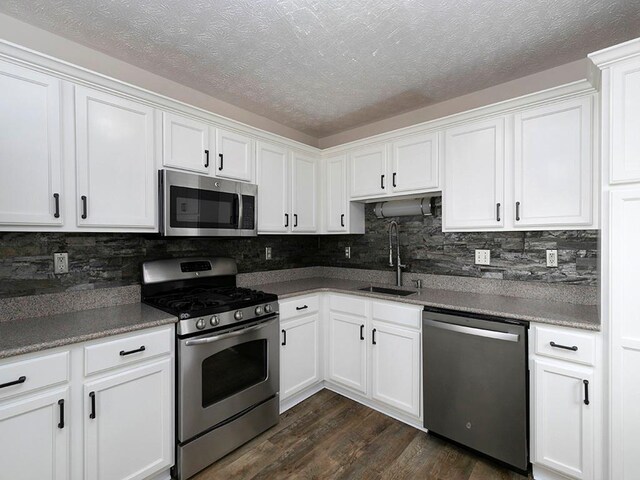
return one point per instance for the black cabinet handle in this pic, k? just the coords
(517, 211)
(15, 382)
(565, 347)
(302, 308)
(382, 182)
(286, 219)
(394, 179)
(84, 206)
(221, 161)
(137, 350)
(497, 212)
(92, 396)
(284, 337)
(586, 391)
(361, 332)
(295, 219)
(373, 336)
(342, 220)
(56, 199)
(206, 158)
(61, 405)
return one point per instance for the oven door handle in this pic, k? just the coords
(215, 338)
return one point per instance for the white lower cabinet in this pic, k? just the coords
(347, 351)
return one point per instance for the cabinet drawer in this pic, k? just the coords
(299, 306)
(38, 372)
(397, 314)
(124, 350)
(578, 347)
(352, 305)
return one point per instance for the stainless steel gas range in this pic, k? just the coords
(227, 372)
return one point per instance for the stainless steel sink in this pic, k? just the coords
(387, 291)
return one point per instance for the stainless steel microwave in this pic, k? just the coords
(197, 206)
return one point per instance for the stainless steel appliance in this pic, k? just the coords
(194, 205)
(227, 351)
(475, 384)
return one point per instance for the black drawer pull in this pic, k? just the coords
(92, 396)
(497, 212)
(394, 179)
(84, 206)
(342, 220)
(206, 159)
(284, 337)
(564, 347)
(295, 219)
(15, 382)
(137, 350)
(61, 405)
(382, 182)
(56, 198)
(586, 391)
(286, 219)
(361, 332)
(302, 308)
(517, 211)
(373, 337)
(221, 161)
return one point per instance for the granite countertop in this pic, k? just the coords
(40, 333)
(555, 313)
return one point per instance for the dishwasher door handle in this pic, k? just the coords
(478, 332)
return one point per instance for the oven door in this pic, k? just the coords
(195, 205)
(223, 374)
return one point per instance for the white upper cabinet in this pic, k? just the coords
(553, 165)
(234, 156)
(474, 162)
(304, 193)
(337, 202)
(116, 175)
(30, 148)
(273, 189)
(185, 144)
(414, 163)
(369, 172)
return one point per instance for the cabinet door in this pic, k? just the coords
(415, 163)
(234, 156)
(30, 156)
(623, 99)
(131, 433)
(116, 175)
(34, 437)
(563, 428)
(474, 157)
(299, 354)
(553, 167)
(304, 193)
(273, 189)
(347, 351)
(395, 367)
(369, 172)
(337, 202)
(185, 143)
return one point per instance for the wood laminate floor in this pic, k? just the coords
(329, 436)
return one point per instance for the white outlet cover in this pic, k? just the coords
(552, 258)
(483, 257)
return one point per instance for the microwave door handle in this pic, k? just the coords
(240, 211)
(215, 338)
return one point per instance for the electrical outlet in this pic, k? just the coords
(483, 257)
(267, 253)
(552, 258)
(60, 263)
(347, 252)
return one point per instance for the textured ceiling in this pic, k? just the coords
(324, 66)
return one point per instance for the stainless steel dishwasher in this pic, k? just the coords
(476, 384)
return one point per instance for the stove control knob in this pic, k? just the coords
(200, 324)
(238, 315)
(268, 308)
(258, 310)
(214, 321)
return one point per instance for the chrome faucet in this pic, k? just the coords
(393, 226)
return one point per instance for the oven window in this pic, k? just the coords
(233, 370)
(194, 208)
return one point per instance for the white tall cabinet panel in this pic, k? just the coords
(234, 155)
(30, 147)
(347, 351)
(474, 162)
(304, 193)
(553, 165)
(116, 175)
(33, 442)
(369, 171)
(273, 189)
(414, 163)
(185, 143)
